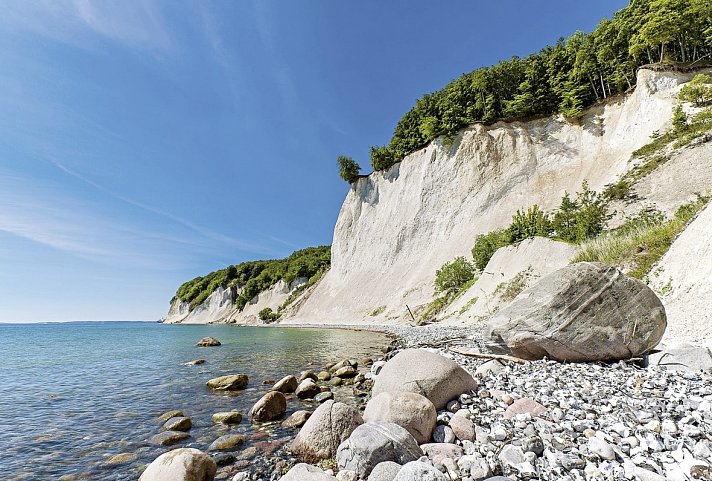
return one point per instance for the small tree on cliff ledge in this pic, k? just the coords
(348, 168)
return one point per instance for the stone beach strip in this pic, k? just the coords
(511, 421)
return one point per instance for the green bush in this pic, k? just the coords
(679, 119)
(618, 191)
(453, 275)
(486, 245)
(382, 158)
(697, 91)
(527, 224)
(348, 168)
(268, 315)
(581, 219)
(256, 276)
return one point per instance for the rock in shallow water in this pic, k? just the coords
(229, 417)
(307, 389)
(228, 383)
(208, 342)
(297, 419)
(169, 438)
(184, 464)
(179, 423)
(584, 312)
(227, 442)
(286, 385)
(270, 406)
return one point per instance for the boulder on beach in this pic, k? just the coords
(306, 472)
(329, 425)
(270, 406)
(385, 471)
(584, 312)
(228, 383)
(423, 372)
(208, 342)
(184, 464)
(419, 471)
(407, 409)
(288, 384)
(373, 443)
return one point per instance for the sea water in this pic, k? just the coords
(74, 394)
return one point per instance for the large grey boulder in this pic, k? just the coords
(306, 472)
(184, 464)
(584, 312)
(329, 425)
(419, 471)
(407, 409)
(423, 372)
(270, 406)
(373, 443)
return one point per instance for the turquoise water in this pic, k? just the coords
(72, 395)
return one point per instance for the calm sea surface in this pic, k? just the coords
(73, 395)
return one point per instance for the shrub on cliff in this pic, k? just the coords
(580, 219)
(486, 245)
(348, 168)
(529, 223)
(697, 91)
(453, 275)
(268, 315)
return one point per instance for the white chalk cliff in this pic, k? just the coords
(397, 227)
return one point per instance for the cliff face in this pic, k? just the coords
(220, 305)
(397, 227)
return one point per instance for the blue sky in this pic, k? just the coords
(144, 143)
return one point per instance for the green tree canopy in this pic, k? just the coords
(348, 168)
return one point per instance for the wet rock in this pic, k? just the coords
(431, 375)
(122, 458)
(270, 406)
(297, 419)
(324, 376)
(208, 342)
(184, 464)
(583, 312)
(228, 383)
(178, 423)
(195, 362)
(410, 410)
(288, 384)
(324, 396)
(307, 389)
(308, 375)
(385, 471)
(373, 443)
(419, 471)
(346, 372)
(345, 363)
(329, 425)
(307, 472)
(336, 381)
(169, 414)
(227, 442)
(169, 438)
(223, 459)
(227, 417)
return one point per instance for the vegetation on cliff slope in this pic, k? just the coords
(255, 276)
(566, 77)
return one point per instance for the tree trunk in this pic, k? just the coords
(603, 86)
(662, 52)
(593, 86)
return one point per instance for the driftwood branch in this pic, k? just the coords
(501, 357)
